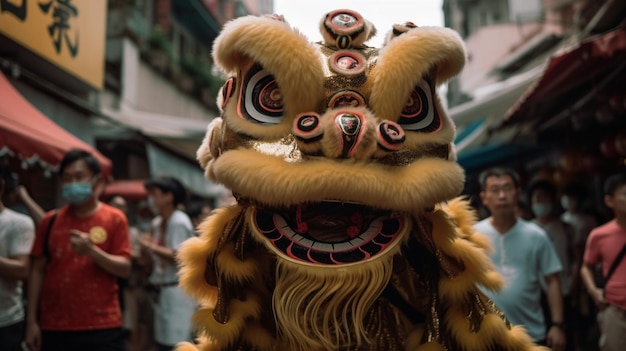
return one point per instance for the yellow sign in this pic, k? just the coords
(68, 33)
(98, 235)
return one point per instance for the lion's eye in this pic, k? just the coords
(419, 112)
(261, 100)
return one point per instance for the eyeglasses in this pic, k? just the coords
(496, 190)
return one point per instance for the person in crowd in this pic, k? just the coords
(523, 211)
(137, 311)
(225, 198)
(606, 244)
(79, 253)
(173, 308)
(19, 199)
(197, 212)
(543, 199)
(572, 201)
(582, 223)
(524, 256)
(17, 232)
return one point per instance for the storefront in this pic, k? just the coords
(52, 66)
(575, 115)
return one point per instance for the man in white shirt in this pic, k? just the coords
(17, 232)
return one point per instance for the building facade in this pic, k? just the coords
(131, 79)
(540, 91)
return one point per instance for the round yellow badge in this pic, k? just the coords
(98, 235)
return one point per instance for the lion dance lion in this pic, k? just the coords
(346, 234)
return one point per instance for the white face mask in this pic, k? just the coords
(568, 203)
(542, 210)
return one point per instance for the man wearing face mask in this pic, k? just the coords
(571, 201)
(582, 223)
(543, 200)
(80, 251)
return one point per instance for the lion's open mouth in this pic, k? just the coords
(329, 233)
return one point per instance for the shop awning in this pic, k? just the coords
(28, 134)
(163, 163)
(471, 134)
(181, 135)
(569, 70)
(484, 156)
(171, 143)
(495, 99)
(160, 125)
(130, 189)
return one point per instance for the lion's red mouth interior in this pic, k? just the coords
(330, 221)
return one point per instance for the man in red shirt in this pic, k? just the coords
(79, 253)
(603, 246)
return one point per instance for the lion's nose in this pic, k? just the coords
(346, 134)
(351, 126)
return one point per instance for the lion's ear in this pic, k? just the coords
(267, 41)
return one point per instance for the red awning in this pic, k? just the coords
(130, 189)
(30, 135)
(569, 70)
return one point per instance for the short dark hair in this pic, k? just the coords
(576, 190)
(77, 154)
(544, 185)
(3, 178)
(168, 185)
(195, 209)
(613, 182)
(498, 172)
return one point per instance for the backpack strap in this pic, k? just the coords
(616, 263)
(46, 248)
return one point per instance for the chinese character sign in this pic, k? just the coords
(16, 9)
(68, 33)
(59, 30)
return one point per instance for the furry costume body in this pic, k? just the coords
(346, 234)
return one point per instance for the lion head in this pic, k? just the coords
(332, 150)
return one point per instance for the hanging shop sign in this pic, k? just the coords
(69, 33)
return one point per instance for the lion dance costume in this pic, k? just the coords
(346, 234)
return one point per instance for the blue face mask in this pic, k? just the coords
(542, 210)
(76, 193)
